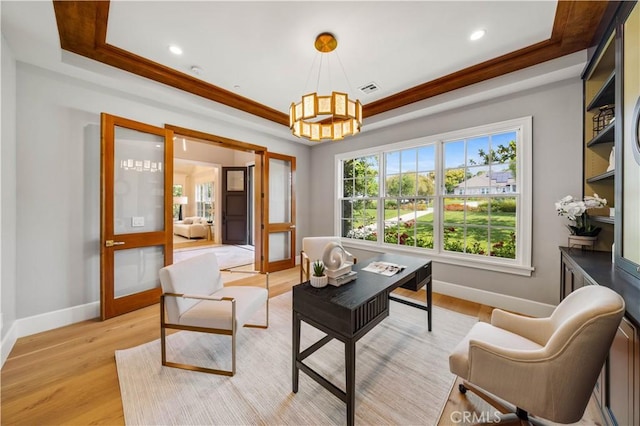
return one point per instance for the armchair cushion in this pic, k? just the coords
(214, 314)
(486, 335)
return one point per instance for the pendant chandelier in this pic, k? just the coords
(329, 117)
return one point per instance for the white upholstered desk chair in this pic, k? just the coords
(194, 299)
(544, 366)
(312, 250)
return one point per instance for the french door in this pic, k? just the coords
(136, 213)
(280, 211)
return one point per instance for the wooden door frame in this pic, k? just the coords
(107, 167)
(259, 208)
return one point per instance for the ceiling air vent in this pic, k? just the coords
(369, 88)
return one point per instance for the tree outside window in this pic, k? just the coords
(177, 192)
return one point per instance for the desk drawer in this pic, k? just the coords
(369, 311)
(420, 279)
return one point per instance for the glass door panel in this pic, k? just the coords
(139, 182)
(279, 176)
(136, 270)
(279, 246)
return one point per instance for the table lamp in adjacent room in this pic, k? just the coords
(181, 201)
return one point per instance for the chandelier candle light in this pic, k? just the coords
(343, 115)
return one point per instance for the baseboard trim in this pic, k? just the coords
(496, 300)
(56, 319)
(47, 321)
(8, 341)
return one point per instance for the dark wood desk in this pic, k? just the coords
(350, 311)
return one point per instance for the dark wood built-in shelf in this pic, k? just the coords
(606, 94)
(603, 176)
(606, 135)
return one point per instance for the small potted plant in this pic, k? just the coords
(318, 279)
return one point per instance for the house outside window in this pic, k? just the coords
(463, 196)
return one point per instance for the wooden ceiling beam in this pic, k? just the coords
(574, 25)
(82, 26)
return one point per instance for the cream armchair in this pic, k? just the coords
(313, 248)
(544, 366)
(194, 299)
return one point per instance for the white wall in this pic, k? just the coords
(8, 197)
(57, 252)
(557, 171)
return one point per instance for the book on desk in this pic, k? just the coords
(342, 279)
(342, 275)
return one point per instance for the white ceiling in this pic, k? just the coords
(264, 50)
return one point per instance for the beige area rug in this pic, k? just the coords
(402, 374)
(228, 256)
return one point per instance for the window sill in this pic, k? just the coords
(494, 265)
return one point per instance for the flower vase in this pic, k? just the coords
(319, 282)
(583, 241)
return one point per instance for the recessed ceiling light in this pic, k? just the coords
(477, 35)
(176, 50)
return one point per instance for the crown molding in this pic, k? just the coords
(82, 26)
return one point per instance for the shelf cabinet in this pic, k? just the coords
(617, 391)
(599, 81)
(623, 370)
(611, 90)
(606, 93)
(606, 135)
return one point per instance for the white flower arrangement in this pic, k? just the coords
(576, 210)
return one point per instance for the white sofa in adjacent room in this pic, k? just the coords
(191, 227)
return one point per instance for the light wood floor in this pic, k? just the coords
(68, 375)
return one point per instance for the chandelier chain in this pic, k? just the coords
(349, 86)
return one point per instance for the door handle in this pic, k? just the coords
(111, 243)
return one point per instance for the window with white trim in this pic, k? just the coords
(204, 200)
(462, 195)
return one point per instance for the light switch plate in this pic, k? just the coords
(137, 221)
